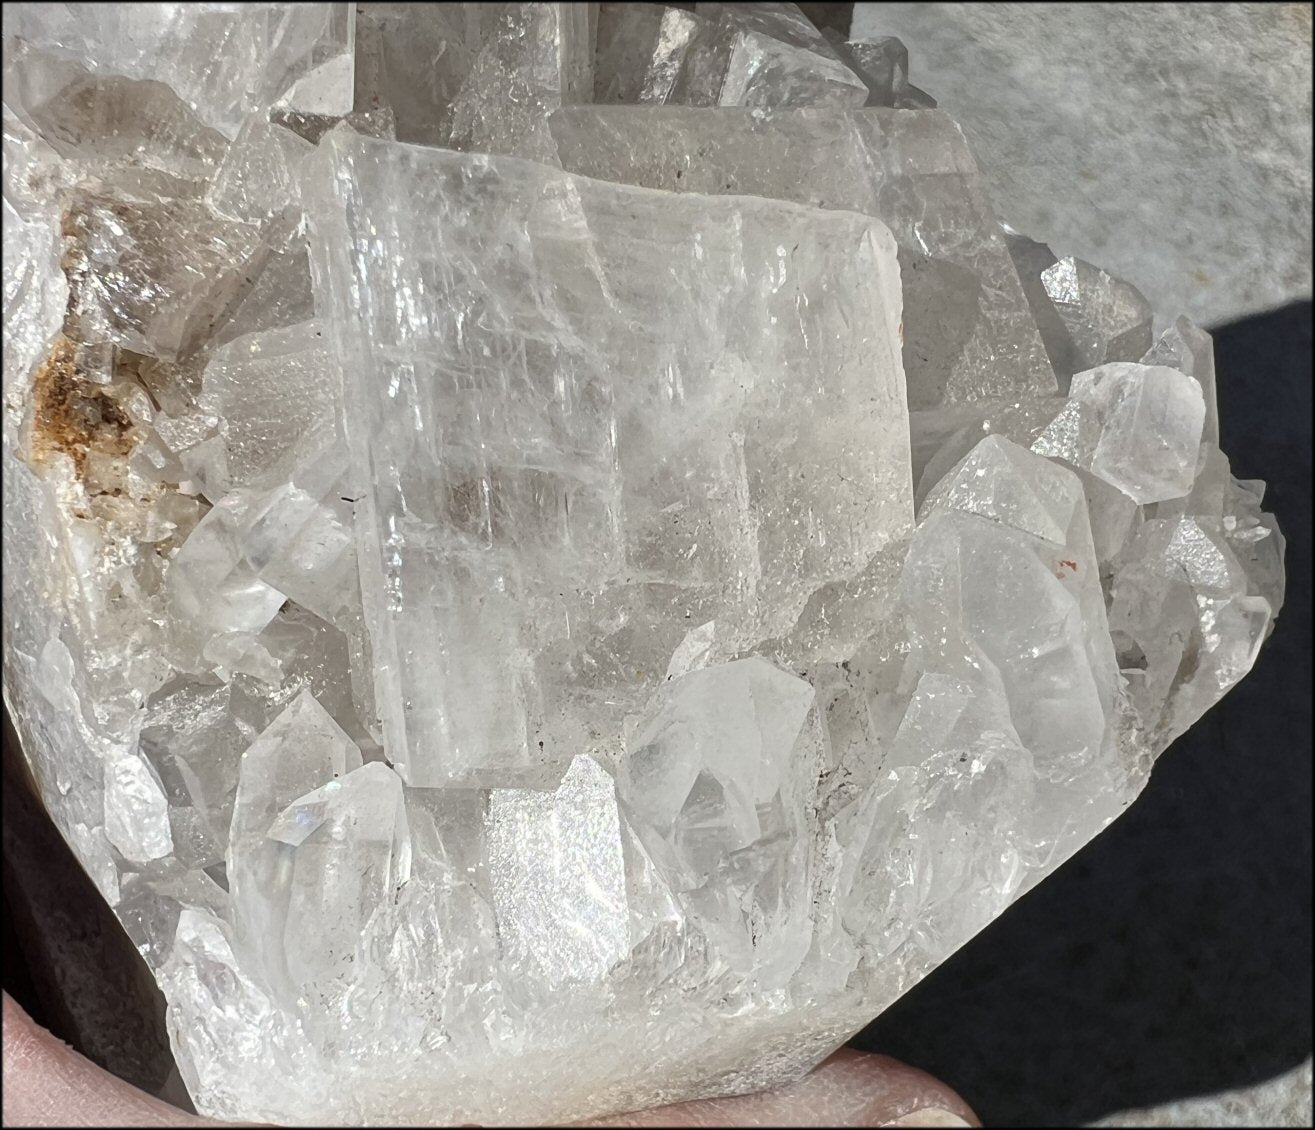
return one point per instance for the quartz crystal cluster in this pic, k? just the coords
(557, 558)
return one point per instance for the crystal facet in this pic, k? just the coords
(966, 327)
(1137, 427)
(221, 59)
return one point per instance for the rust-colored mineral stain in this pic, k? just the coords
(73, 414)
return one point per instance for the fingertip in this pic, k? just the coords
(880, 1091)
(47, 1083)
(850, 1088)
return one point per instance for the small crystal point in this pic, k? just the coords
(1188, 348)
(1138, 427)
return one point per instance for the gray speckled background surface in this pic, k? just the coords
(1169, 143)
(1283, 1101)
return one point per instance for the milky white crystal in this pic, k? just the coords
(777, 58)
(641, 51)
(531, 610)
(1188, 348)
(1085, 315)
(1107, 319)
(558, 874)
(531, 59)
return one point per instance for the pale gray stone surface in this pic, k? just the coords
(1169, 143)
(1283, 1101)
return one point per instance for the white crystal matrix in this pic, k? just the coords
(530, 609)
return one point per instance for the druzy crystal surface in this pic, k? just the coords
(557, 557)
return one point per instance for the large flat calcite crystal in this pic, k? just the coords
(967, 329)
(576, 398)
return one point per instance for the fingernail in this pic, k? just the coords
(929, 1116)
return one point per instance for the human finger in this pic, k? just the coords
(47, 1083)
(849, 1089)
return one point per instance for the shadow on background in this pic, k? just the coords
(1171, 957)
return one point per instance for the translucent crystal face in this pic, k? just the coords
(967, 330)
(528, 609)
(577, 400)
